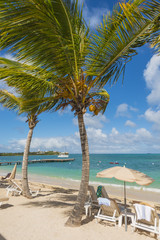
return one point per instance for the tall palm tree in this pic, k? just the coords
(53, 35)
(16, 100)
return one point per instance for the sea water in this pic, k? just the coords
(146, 163)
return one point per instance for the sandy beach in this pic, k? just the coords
(44, 216)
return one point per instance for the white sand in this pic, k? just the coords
(43, 218)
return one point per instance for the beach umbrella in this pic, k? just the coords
(126, 175)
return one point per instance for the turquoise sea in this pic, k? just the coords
(146, 163)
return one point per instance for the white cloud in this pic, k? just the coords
(142, 133)
(114, 132)
(130, 124)
(133, 109)
(124, 110)
(92, 121)
(70, 143)
(93, 16)
(154, 117)
(151, 75)
(141, 141)
(96, 134)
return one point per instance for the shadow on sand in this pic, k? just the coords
(2, 238)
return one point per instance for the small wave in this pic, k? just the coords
(139, 188)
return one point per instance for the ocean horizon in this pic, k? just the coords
(146, 163)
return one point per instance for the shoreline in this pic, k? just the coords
(114, 190)
(133, 193)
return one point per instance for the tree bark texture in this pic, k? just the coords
(25, 186)
(76, 214)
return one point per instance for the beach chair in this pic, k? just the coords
(101, 192)
(9, 175)
(146, 218)
(104, 193)
(15, 189)
(92, 202)
(3, 199)
(109, 211)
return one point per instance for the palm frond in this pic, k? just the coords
(26, 78)
(129, 26)
(38, 105)
(100, 100)
(9, 100)
(155, 42)
(48, 33)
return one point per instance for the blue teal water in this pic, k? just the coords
(146, 163)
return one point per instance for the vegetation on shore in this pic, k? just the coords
(31, 153)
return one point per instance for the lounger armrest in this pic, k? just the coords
(159, 226)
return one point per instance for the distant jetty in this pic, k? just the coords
(38, 161)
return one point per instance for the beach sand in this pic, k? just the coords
(44, 216)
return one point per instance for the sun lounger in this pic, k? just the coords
(146, 219)
(109, 210)
(2, 200)
(92, 201)
(15, 189)
(5, 177)
(9, 175)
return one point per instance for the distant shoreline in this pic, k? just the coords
(32, 153)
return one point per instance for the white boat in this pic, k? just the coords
(63, 155)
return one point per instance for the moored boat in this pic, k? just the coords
(114, 162)
(63, 155)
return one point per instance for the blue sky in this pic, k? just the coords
(131, 123)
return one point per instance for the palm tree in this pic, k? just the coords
(53, 35)
(17, 100)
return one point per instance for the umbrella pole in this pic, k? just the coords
(125, 209)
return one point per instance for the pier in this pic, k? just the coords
(37, 161)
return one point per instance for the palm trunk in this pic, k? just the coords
(25, 186)
(76, 215)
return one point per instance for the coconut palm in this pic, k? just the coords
(17, 99)
(53, 35)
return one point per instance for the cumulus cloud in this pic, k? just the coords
(96, 134)
(90, 121)
(124, 110)
(151, 75)
(129, 123)
(71, 143)
(154, 117)
(143, 133)
(141, 141)
(114, 132)
(93, 16)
